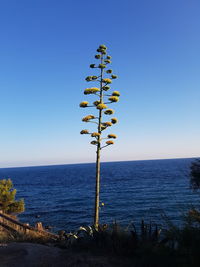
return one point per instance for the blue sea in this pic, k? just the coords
(63, 196)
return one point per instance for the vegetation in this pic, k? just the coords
(104, 78)
(144, 246)
(8, 204)
(195, 174)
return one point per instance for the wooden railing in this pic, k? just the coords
(10, 224)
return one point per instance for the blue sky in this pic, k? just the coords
(46, 48)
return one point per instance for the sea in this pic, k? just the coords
(62, 196)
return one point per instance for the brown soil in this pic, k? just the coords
(37, 255)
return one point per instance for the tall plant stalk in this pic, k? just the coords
(101, 93)
(97, 187)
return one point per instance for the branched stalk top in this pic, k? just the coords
(104, 78)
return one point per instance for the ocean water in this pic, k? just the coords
(63, 196)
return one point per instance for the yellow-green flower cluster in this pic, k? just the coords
(109, 112)
(107, 124)
(102, 49)
(107, 80)
(97, 56)
(84, 132)
(102, 66)
(109, 142)
(116, 93)
(83, 104)
(103, 127)
(88, 78)
(113, 98)
(114, 120)
(88, 117)
(109, 71)
(106, 87)
(112, 136)
(107, 61)
(114, 76)
(95, 134)
(94, 143)
(96, 103)
(91, 78)
(101, 106)
(92, 90)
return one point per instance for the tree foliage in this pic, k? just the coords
(195, 174)
(8, 204)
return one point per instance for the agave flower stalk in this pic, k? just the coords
(104, 79)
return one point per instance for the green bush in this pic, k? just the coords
(8, 204)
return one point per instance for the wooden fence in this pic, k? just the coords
(8, 223)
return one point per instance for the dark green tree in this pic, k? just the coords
(104, 78)
(8, 204)
(195, 174)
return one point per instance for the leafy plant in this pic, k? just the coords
(195, 174)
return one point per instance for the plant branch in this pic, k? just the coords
(104, 146)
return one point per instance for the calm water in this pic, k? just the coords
(63, 196)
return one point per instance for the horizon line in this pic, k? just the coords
(77, 163)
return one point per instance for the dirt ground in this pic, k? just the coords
(37, 255)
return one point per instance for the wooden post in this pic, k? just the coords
(39, 226)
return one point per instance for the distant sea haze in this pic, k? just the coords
(63, 196)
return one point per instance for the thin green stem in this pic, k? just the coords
(93, 122)
(104, 146)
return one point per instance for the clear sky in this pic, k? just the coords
(46, 47)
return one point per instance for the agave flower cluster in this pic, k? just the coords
(105, 97)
